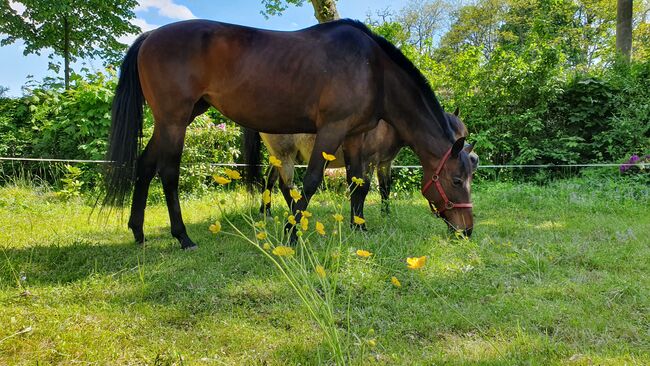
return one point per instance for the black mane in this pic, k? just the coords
(403, 62)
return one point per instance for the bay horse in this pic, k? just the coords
(336, 80)
(380, 147)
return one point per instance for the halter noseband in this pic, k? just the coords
(435, 179)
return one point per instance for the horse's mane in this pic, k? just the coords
(405, 64)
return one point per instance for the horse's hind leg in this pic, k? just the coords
(385, 180)
(272, 177)
(145, 171)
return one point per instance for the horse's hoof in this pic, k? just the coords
(358, 227)
(188, 244)
(139, 237)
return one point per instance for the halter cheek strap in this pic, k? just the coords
(435, 180)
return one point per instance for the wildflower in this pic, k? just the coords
(215, 228)
(358, 220)
(328, 157)
(320, 228)
(261, 235)
(292, 220)
(363, 253)
(307, 214)
(275, 161)
(221, 126)
(221, 180)
(320, 271)
(416, 262)
(338, 217)
(260, 224)
(295, 194)
(232, 174)
(266, 197)
(395, 282)
(372, 342)
(304, 223)
(357, 181)
(266, 246)
(283, 251)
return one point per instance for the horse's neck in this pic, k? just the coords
(406, 110)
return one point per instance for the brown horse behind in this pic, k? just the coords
(380, 147)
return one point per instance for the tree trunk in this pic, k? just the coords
(325, 10)
(66, 52)
(624, 28)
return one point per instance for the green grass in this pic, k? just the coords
(553, 275)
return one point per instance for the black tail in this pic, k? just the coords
(126, 129)
(252, 145)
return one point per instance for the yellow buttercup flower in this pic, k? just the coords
(295, 194)
(215, 228)
(358, 220)
(338, 217)
(307, 214)
(363, 253)
(328, 157)
(260, 224)
(266, 197)
(283, 251)
(292, 220)
(261, 235)
(304, 223)
(320, 228)
(232, 174)
(275, 161)
(416, 262)
(372, 343)
(266, 246)
(357, 181)
(320, 271)
(395, 282)
(221, 180)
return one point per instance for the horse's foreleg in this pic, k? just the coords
(385, 180)
(328, 140)
(356, 167)
(145, 171)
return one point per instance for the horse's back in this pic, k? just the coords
(270, 81)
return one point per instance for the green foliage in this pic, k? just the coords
(71, 183)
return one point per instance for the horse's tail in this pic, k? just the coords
(252, 157)
(126, 129)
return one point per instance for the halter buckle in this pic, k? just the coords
(435, 178)
(449, 205)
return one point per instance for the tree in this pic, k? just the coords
(324, 10)
(69, 28)
(624, 28)
(423, 19)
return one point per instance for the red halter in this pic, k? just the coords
(435, 179)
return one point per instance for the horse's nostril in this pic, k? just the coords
(468, 232)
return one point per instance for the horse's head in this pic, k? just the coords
(447, 186)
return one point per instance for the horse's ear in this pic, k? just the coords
(458, 146)
(457, 112)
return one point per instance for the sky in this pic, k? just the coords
(15, 67)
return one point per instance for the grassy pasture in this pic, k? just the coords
(557, 274)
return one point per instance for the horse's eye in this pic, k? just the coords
(458, 181)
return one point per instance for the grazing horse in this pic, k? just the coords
(336, 80)
(380, 146)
